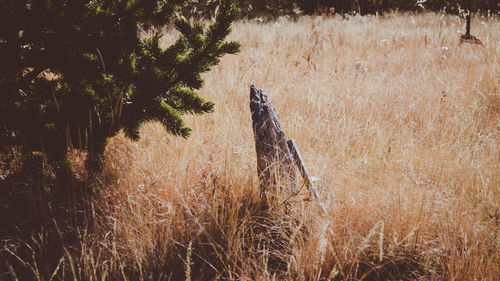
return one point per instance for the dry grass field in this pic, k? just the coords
(399, 123)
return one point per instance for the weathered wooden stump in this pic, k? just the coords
(276, 156)
(275, 165)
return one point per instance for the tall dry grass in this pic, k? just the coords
(398, 121)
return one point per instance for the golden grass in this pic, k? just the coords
(398, 121)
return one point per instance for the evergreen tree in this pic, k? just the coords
(75, 72)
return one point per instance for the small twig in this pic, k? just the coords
(294, 194)
(102, 61)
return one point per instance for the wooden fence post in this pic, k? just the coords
(275, 164)
(276, 156)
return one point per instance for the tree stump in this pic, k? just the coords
(276, 156)
(275, 163)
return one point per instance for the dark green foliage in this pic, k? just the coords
(75, 72)
(283, 7)
(263, 7)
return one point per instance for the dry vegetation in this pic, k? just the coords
(398, 121)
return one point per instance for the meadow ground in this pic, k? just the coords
(397, 120)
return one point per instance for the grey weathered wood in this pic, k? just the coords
(275, 164)
(299, 161)
(301, 164)
(276, 157)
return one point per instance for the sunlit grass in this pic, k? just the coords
(398, 121)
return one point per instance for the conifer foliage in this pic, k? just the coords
(75, 72)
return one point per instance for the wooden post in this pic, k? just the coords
(467, 37)
(467, 24)
(275, 164)
(276, 156)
